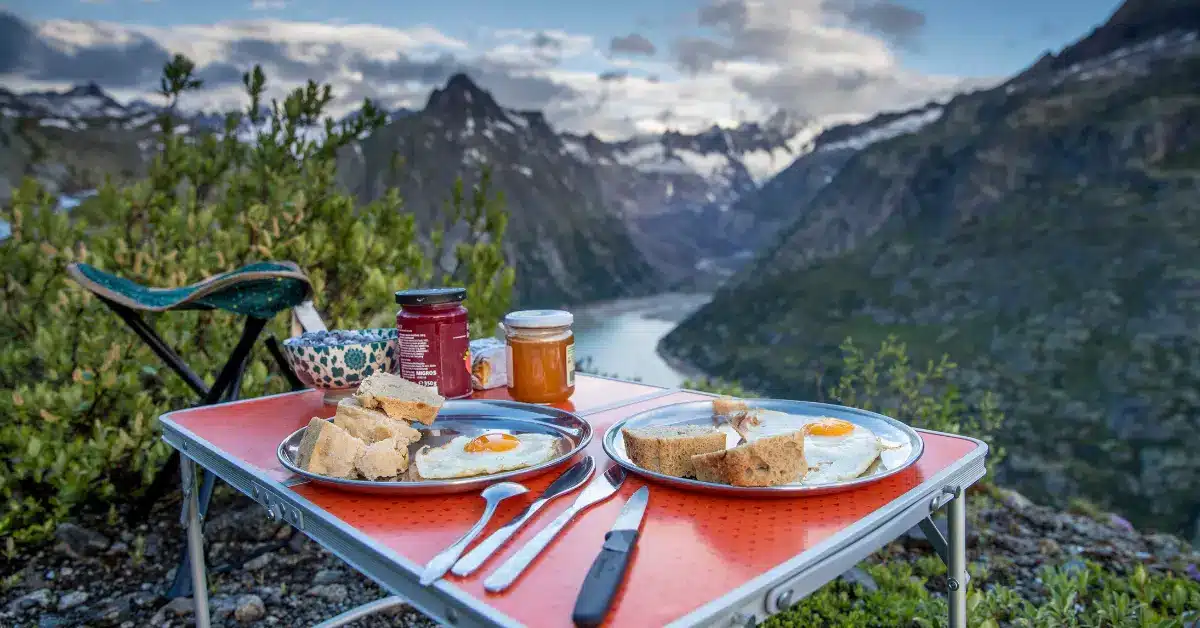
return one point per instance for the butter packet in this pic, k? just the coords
(489, 368)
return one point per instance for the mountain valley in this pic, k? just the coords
(1041, 233)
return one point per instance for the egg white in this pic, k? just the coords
(453, 461)
(830, 458)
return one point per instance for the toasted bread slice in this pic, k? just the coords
(399, 398)
(327, 449)
(383, 459)
(372, 425)
(669, 449)
(768, 461)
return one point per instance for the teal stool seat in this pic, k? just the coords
(256, 291)
(260, 290)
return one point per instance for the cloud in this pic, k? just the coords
(814, 57)
(632, 44)
(895, 22)
(742, 59)
(614, 75)
(267, 5)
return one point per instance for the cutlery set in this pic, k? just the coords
(607, 570)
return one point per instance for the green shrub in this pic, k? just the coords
(887, 382)
(717, 387)
(79, 392)
(1087, 596)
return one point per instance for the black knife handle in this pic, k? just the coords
(604, 578)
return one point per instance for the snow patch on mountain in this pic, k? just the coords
(903, 125)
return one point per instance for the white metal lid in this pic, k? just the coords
(537, 319)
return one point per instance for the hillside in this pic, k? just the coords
(1043, 234)
(590, 219)
(758, 214)
(567, 243)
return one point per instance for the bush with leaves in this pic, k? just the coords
(1070, 597)
(888, 383)
(80, 394)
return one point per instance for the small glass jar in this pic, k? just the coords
(433, 343)
(540, 355)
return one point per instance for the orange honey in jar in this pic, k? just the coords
(540, 355)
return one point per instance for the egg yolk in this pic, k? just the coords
(492, 442)
(829, 427)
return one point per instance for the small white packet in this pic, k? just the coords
(489, 364)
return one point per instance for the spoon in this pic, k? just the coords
(570, 480)
(494, 494)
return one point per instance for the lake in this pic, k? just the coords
(619, 338)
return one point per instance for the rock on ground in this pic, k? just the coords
(77, 579)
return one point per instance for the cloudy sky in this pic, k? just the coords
(609, 66)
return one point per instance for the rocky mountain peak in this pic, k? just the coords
(1134, 22)
(462, 97)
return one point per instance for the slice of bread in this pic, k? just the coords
(768, 461)
(383, 459)
(728, 406)
(372, 425)
(327, 449)
(399, 398)
(669, 449)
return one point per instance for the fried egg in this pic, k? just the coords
(835, 450)
(493, 452)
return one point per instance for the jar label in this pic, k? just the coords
(570, 365)
(436, 355)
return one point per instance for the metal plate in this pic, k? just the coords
(891, 461)
(465, 418)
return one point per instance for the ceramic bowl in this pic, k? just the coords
(337, 361)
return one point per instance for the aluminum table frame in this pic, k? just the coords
(763, 595)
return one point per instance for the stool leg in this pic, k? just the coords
(956, 575)
(195, 541)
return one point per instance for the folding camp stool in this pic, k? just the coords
(257, 291)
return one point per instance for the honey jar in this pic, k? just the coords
(540, 355)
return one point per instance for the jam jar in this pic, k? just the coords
(433, 343)
(540, 355)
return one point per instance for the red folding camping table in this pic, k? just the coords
(701, 559)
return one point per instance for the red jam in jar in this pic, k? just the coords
(433, 347)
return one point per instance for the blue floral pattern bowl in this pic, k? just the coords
(339, 360)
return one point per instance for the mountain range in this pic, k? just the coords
(590, 219)
(1042, 233)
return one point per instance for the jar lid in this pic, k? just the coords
(430, 296)
(537, 319)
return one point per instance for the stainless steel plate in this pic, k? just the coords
(890, 462)
(469, 418)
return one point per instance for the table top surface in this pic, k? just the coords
(695, 550)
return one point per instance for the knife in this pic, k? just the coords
(570, 480)
(599, 489)
(608, 570)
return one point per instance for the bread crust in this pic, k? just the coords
(669, 450)
(382, 459)
(399, 398)
(373, 425)
(769, 461)
(327, 449)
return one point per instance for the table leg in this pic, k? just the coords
(195, 540)
(957, 568)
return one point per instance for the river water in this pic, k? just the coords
(619, 338)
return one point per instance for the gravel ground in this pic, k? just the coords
(103, 572)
